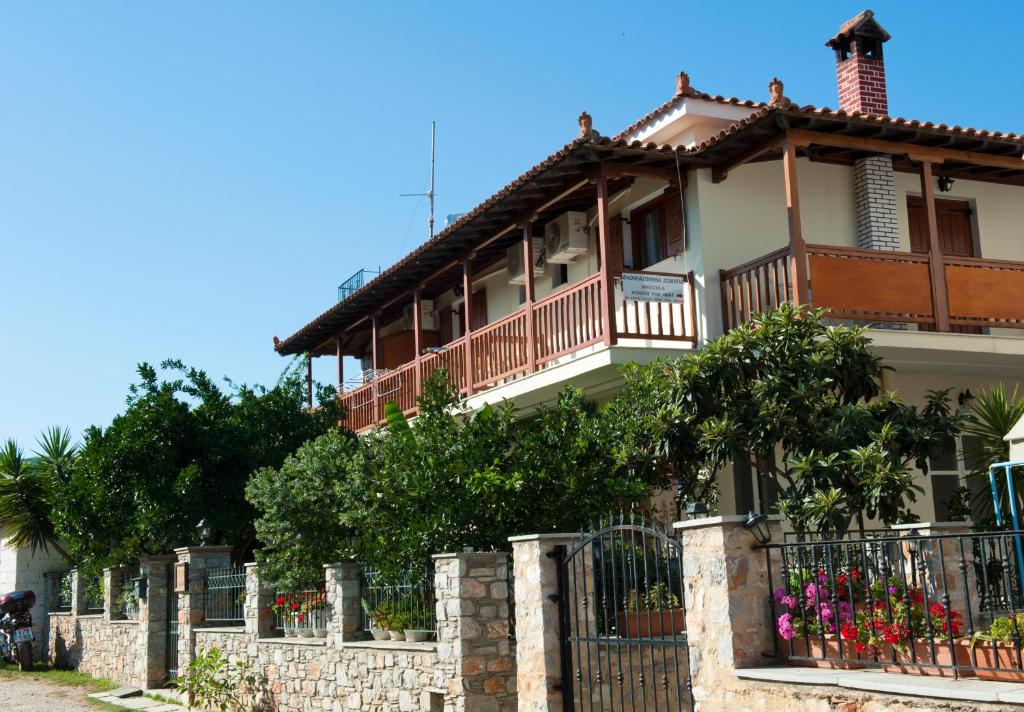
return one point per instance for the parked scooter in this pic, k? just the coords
(16, 628)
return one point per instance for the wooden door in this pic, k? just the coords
(479, 316)
(956, 236)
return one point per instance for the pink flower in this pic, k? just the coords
(785, 625)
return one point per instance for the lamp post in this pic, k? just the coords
(757, 525)
(205, 530)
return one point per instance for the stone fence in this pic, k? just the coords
(470, 667)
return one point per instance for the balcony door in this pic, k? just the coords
(956, 236)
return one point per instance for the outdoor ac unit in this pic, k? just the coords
(566, 238)
(516, 274)
(428, 317)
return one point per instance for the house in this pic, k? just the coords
(706, 210)
(23, 569)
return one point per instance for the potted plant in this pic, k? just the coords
(655, 613)
(283, 610)
(996, 652)
(398, 622)
(380, 619)
(816, 624)
(318, 613)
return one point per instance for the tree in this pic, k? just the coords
(801, 402)
(182, 451)
(990, 416)
(27, 492)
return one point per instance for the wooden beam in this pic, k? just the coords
(607, 288)
(467, 316)
(417, 337)
(621, 170)
(375, 364)
(940, 300)
(341, 365)
(309, 380)
(916, 153)
(797, 247)
(720, 172)
(531, 215)
(531, 344)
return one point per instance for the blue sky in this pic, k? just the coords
(189, 179)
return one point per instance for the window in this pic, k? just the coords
(948, 471)
(648, 237)
(560, 276)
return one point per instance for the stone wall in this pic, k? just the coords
(97, 647)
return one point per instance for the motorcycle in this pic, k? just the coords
(16, 628)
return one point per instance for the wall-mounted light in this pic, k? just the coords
(945, 184)
(965, 397)
(457, 290)
(697, 510)
(205, 530)
(757, 525)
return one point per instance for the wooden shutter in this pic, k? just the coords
(675, 231)
(479, 316)
(615, 254)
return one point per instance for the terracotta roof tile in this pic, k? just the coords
(675, 101)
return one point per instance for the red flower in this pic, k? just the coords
(848, 631)
(859, 647)
(294, 606)
(916, 596)
(298, 618)
(855, 574)
(842, 580)
(938, 609)
(280, 600)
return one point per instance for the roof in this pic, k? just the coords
(863, 24)
(557, 172)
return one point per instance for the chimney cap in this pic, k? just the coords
(863, 25)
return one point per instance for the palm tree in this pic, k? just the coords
(991, 416)
(26, 493)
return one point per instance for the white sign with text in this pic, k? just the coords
(642, 287)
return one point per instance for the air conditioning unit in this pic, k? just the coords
(566, 237)
(428, 317)
(516, 274)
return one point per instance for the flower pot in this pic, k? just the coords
(396, 635)
(418, 636)
(997, 655)
(306, 632)
(319, 632)
(290, 632)
(810, 653)
(653, 624)
(920, 661)
(380, 634)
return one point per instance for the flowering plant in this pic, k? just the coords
(820, 603)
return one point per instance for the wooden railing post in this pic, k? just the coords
(607, 288)
(797, 247)
(467, 323)
(341, 365)
(375, 364)
(531, 335)
(940, 299)
(309, 380)
(417, 340)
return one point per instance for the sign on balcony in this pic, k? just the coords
(642, 287)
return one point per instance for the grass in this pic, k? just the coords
(72, 678)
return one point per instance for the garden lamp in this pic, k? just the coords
(697, 510)
(757, 525)
(205, 530)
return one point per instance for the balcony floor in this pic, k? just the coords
(995, 356)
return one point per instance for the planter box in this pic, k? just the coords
(656, 624)
(923, 659)
(812, 648)
(998, 655)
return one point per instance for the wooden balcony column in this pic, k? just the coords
(607, 288)
(531, 334)
(375, 362)
(309, 380)
(341, 365)
(417, 338)
(797, 246)
(467, 323)
(936, 268)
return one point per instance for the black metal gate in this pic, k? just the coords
(622, 619)
(171, 650)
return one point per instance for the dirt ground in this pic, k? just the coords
(25, 694)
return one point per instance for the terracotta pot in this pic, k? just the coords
(997, 655)
(922, 658)
(810, 653)
(656, 624)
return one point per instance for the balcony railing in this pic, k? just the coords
(875, 286)
(563, 323)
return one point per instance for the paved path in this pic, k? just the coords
(21, 693)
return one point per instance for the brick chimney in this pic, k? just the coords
(860, 67)
(860, 74)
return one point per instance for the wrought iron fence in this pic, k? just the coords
(947, 604)
(128, 600)
(93, 592)
(224, 600)
(406, 603)
(302, 613)
(58, 590)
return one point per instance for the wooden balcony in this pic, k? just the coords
(564, 322)
(956, 294)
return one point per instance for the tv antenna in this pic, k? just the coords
(430, 193)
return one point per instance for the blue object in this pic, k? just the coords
(1007, 467)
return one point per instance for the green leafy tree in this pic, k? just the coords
(27, 492)
(182, 451)
(990, 416)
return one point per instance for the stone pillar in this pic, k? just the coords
(113, 580)
(472, 630)
(151, 664)
(933, 558)
(538, 638)
(727, 598)
(192, 601)
(259, 618)
(875, 196)
(344, 592)
(78, 604)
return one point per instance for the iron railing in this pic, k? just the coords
(58, 590)
(93, 593)
(225, 595)
(303, 612)
(410, 597)
(942, 604)
(128, 602)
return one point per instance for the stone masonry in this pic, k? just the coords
(191, 601)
